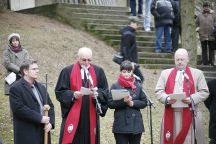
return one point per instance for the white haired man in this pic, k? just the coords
(177, 123)
(79, 114)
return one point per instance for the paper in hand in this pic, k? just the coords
(85, 91)
(178, 103)
(11, 78)
(118, 94)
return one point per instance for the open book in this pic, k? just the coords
(118, 94)
(178, 103)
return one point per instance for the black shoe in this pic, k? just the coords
(212, 64)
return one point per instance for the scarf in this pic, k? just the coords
(16, 49)
(72, 120)
(168, 115)
(127, 83)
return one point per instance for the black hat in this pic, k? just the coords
(206, 3)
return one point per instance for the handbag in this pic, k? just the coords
(118, 58)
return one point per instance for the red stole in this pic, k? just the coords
(169, 113)
(74, 113)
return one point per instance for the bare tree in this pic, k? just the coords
(187, 8)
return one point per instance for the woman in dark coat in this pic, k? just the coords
(210, 103)
(128, 122)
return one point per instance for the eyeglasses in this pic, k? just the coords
(84, 59)
(34, 69)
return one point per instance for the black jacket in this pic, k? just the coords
(26, 113)
(210, 103)
(128, 119)
(163, 14)
(128, 44)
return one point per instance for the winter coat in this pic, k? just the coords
(205, 23)
(12, 62)
(26, 112)
(163, 14)
(210, 103)
(128, 44)
(128, 119)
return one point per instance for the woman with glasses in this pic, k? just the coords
(128, 122)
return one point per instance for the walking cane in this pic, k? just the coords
(46, 109)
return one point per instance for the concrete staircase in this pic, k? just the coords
(104, 22)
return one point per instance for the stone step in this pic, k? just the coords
(105, 21)
(100, 16)
(157, 66)
(144, 60)
(139, 43)
(138, 38)
(210, 73)
(206, 68)
(209, 78)
(139, 49)
(139, 32)
(84, 6)
(99, 11)
(155, 55)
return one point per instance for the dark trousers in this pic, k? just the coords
(133, 7)
(127, 138)
(207, 47)
(175, 33)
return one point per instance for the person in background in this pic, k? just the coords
(128, 122)
(13, 56)
(205, 23)
(163, 12)
(176, 28)
(27, 100)
(133, 8)
(210, 103)
(128, 48)
(80, 112)
(147, 15)
(177, 123)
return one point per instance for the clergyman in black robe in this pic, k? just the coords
(79, 115)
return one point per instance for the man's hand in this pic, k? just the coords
(48, 127)
(77, 94)
(45, 119)
(170, 101)
(186, 100)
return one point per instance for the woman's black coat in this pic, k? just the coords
(128, 119)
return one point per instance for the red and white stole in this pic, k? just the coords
(74, 113)
(169, 113)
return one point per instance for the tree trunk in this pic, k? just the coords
(187, 8)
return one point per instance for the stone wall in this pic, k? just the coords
(3, 4)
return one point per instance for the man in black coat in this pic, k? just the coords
(27, 98)
(128, 45)
(82, 90)
(210, 103)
